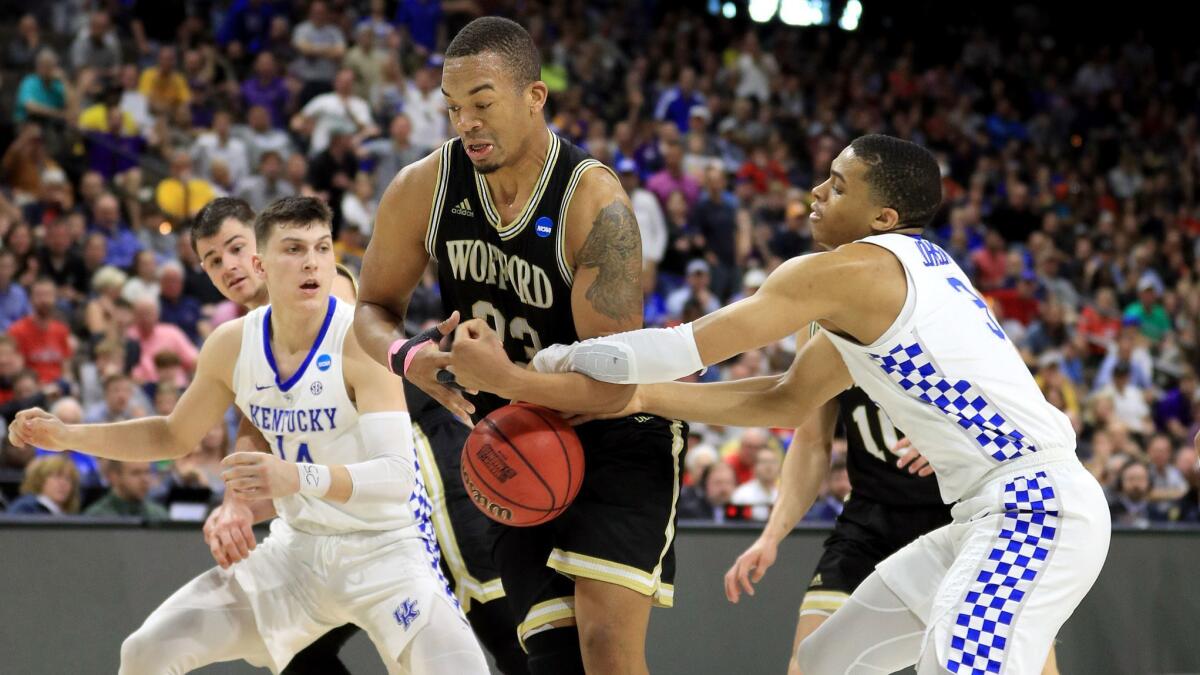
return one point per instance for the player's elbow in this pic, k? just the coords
(783, 407)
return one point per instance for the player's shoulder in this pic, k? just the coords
(223, 347)
(598, 185)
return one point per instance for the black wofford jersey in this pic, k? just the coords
(514, 275)
(869, 459)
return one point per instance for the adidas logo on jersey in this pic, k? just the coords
(463, 209)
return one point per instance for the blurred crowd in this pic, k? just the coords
(1070, 179)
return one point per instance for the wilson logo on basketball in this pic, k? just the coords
(493, 510)
(494, 461)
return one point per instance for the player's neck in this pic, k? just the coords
(510, 182)
(260, 299)
(294, 330)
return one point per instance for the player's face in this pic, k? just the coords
(844, 209)
(227, 258)
(298, 264)
(491, 115)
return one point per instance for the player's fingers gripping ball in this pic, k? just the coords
(522, 465)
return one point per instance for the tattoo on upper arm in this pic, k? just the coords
(614, 248)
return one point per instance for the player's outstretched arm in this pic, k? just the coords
(201, 407)
(389, 473)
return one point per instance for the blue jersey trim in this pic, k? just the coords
(291, 381)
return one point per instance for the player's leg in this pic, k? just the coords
(321, 657)
(874, 632)
(612, 623)
(1020, 574)
(208, 620)
(496, 629)
(445, 645)
(1051, 666)
(805, 626)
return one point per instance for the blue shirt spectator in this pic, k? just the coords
(421, 18)
(676, 103)
(42, 89)
(247, 22)
(123, 244)
(14, 302)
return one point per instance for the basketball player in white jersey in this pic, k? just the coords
(1030, 532)
(353, 541)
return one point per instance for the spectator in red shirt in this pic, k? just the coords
(44, 341)
(990, 262)
(1019, 304)
(744, 459)
(11, 365)
(1100, 322)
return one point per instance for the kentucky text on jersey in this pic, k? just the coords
(281, 420)
(485, 263)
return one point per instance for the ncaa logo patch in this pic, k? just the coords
(323, 362)
(544, 226)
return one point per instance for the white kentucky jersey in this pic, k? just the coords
(309, 417)
(948, 376)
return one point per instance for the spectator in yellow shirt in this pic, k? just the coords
(164, 86)
(180, 195)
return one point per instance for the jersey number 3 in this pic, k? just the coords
(518, 328)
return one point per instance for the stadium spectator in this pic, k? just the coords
(760, 492)
(709, 499)
(675, 104)
(331, 173)
(393, 153)
(425, 105)
(320, 46)
(118, 404)
(339, 109)
(130, 483)
(96, 46)
(11, 366)
(267, 89)
(699, 277)
(359, 206)
(366, 59)
(121, 244)
(1148, 313)
(14, 301)
(50, 488)
(261, 137)
(267, 184)
(44, 342)
(1130, 504)
(672, 177)
(163, 85)
(44, 94)
(22, 50)
(154, 336)
(181, 195)
(69, 411)
(245, 27)
(745, 454)
(832, 499)
(1166, 482)
(221, 145)
(144, 282)
(649, 215)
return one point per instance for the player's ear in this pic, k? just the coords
(257, 265)
(886, 220)
(535, 96)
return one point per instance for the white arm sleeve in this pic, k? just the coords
(390, 473)
(638, 357)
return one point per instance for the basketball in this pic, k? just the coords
(522, 465)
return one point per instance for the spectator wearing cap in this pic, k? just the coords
(164, 87)
(1129, 400)
(219, 144)
(338, 109)
(676, 103)
(96, 46)
(699, 275)
(393, 153)
(14, 302)
(648, 213)
(181, 195)
(122, 243)
(267, 184)
(752, 280)
(267, 89)
(1148, 312)
(425, 105)
(725, 229)
(422, 21)
(44, 342)
(321, 45)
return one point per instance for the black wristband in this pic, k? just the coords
(397, 356)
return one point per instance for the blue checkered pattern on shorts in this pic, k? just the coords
(983, 627)
(910, 367)
(422, 510)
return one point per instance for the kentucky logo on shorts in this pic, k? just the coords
(323, 362)
(543, 226)
(407, 613)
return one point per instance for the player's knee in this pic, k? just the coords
(813, 658)
(141, 654)
(555, 652)
(604, 641)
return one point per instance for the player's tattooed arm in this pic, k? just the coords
(614, 249)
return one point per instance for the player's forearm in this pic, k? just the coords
(753, 402)
(261, 510)
(141, 440)
(804, 468)
(376, 328)
(570, 392)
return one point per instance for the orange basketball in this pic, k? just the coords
(522, 465)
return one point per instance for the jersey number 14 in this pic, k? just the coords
(302, 454)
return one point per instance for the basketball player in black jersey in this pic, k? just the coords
(538, 239)
(893, 500)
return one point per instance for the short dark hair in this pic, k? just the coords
(902, 176)
(504, 37)
(297, 211)
(210, 218)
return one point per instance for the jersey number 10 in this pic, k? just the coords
(878, 435)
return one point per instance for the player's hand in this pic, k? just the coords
(36, 427)
(912, 459)
(750, 567)
(478, 359)
(258, 475)
(229, 532)
(423, 373)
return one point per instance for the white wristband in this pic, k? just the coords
(315, 479)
